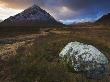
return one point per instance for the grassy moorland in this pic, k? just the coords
(40, 62)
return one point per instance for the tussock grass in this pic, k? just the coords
(40, 63)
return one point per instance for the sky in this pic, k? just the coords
(66, 11)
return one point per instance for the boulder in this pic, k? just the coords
(85, 58)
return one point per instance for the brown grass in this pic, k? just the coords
(40, 63)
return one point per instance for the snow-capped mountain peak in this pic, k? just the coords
(33, 15)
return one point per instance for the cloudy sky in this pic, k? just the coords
(64, 10)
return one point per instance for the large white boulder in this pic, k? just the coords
(86, 58)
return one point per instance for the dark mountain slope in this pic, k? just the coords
(105, 20)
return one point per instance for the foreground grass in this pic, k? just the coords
(40, 63)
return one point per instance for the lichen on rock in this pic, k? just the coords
(85, 58)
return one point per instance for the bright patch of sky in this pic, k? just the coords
(7, 12)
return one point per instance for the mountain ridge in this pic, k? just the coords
(105, 20)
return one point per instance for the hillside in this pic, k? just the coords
(105, 20)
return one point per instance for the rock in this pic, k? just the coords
(84, 58)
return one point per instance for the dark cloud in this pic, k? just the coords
(66, 9)
(80, 8)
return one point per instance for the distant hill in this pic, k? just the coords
(82, 25)
(32, 16)
(105, 20)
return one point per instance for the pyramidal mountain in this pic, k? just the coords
(31, 16)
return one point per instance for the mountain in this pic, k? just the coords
(31, 17)
(105, 20)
